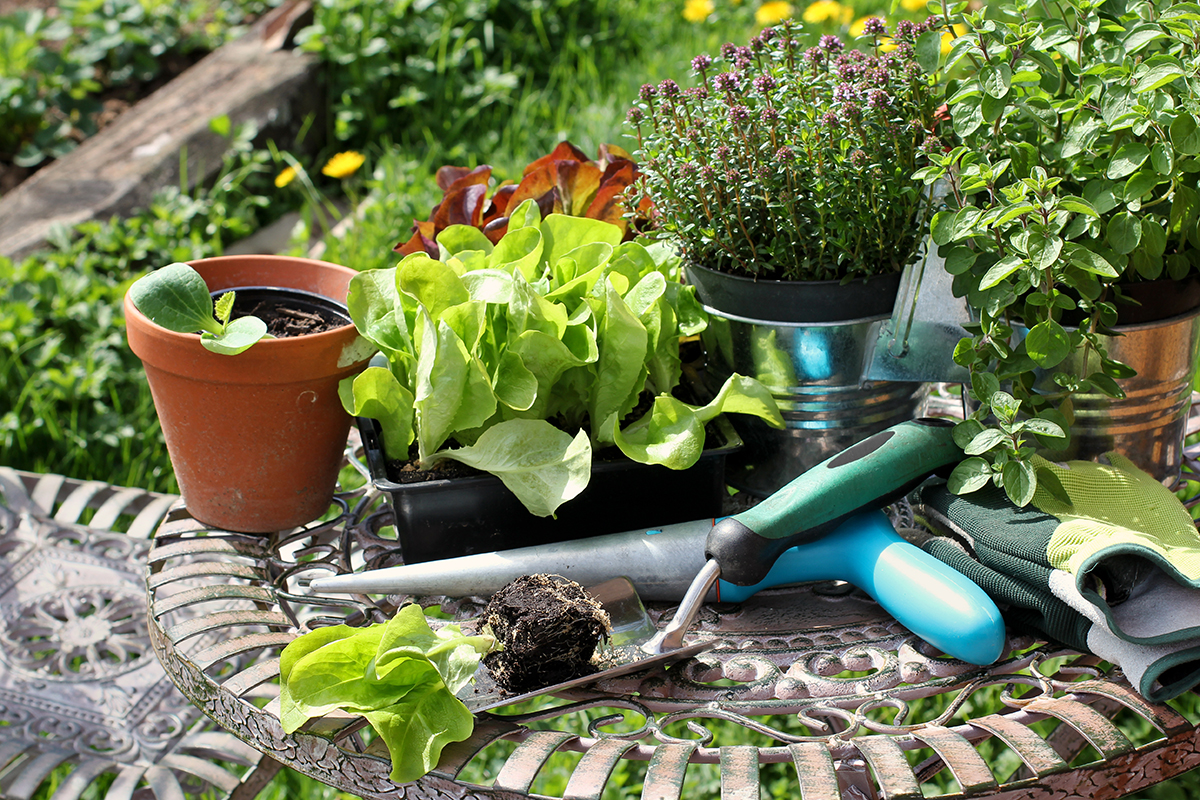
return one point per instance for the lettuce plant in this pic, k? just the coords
(401, 675)
(530, 353)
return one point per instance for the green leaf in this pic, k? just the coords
(375, 393)
(1041, 427)
(418, 730)
(563, 233)
(942, 227)
(542, 465)
(929, 51)
(1043, 250)
(1162, 158)
(453, 392)
(1089, 260)
(1005, 405)
(1078, 205)
(239, 335)
(456, 239)
(1154, 236)
(999, 271)
(1048, 344)
(1141, 183)
(514, 384)
(175, 297)
(984, 441)
(1020, 482)
(1156, 71)
(1128, 158)
(959, 260)
(375, 306)
(431, 283)
(1124, 233)
(1185, 134)
(519, 250)
(970, 475)
(622, 340)
(996, 79)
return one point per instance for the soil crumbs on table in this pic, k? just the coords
(547, 628)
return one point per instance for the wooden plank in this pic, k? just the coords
(117, 171)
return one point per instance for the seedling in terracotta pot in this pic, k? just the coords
(177, 298)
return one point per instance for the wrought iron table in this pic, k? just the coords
(813, 689)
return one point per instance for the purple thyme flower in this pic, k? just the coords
(701, 63)
(647, 92)
(815, 56)
(831, 44)
(767, 34)
(851, 111)
(859, 159)
(635, 116)
(727, 82)
(875, 26)
(785, 155)
(765, 83)
(668, 88)
(729, 51)
(878, 98)
(723, 152)
(769, 115)
(739, 114)
(844, 92)
(906, 31)
(849, 72)
(697, 92)
(831, 120)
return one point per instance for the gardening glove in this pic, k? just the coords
(1007, 551)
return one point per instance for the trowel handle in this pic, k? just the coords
(931, 599)
(868, 475)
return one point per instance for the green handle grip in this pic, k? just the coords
(870, 474)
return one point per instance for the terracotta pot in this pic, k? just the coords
(256, 439)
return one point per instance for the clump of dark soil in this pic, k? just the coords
(285, 315)
(547, 629)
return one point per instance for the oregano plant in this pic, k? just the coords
(1076, 174)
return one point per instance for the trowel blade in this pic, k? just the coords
(917, 343)
(621, 655)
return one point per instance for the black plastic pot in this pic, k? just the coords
(247, 297)
(795, 301)
(447, 518)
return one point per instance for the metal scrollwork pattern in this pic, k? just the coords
(817, 676)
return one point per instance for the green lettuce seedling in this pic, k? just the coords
(401, 675)
(177, 298)
(532, 353)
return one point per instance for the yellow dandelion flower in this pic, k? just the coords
(887, 44)
(697, 10)
(828, 11)
(772, 12)
(285, 177)
(856, 27)
(912, 5)
(343, 165)
(948, 40)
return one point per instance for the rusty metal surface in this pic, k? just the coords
(82, 697)
(814, 679)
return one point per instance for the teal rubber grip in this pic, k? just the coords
(930, 598)
(868, 475)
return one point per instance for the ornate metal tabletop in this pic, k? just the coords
(813, 691)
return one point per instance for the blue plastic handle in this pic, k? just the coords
(931, 599)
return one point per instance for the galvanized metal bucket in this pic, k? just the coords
(814, 371)
(1148, 425)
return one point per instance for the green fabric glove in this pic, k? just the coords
(1106, 562)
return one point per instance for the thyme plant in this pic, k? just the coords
(795, 163)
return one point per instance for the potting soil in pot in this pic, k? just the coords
(287, 312)
(546, 629)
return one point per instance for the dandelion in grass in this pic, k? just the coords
(828, 11)
(285, 177)
(343, 165)
(913, 5)
(697, 10)
(773, 12)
